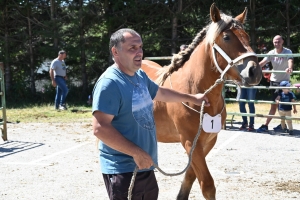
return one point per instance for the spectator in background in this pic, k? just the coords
(58, 75)
(279, 63)
(285, 110)
(247, 94)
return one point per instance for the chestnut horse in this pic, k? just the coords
(222, 47)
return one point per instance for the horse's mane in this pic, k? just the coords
(211, 32)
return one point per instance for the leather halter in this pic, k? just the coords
(230, 62)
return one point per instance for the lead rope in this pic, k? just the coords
(218, 81)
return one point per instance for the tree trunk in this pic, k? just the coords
(32, 68)
(53, 19)
(253, 25)
(288, 25)
(82, 54)
(8, 77)
(108, 11)
(174, 27)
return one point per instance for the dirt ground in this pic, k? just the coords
(60, 161)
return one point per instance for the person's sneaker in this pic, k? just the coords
(251, 128)
(243, 127)
(63, 107)
(263, 128)
(286, 130)
(291, 132)
(278, 128)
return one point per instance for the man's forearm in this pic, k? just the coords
(291, 64)
(168, 95)
(51, 75)
(112, 138)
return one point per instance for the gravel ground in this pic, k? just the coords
(60, 161)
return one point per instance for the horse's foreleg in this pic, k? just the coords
(204, 177)
(186, 185)
(200, 168)
(207, 183)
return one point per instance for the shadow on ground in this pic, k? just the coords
(13, 147)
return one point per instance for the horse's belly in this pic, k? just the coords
(167, 134)
(165, 128)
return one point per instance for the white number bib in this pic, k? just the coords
(212, 124)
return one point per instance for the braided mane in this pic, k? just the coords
(211, 32)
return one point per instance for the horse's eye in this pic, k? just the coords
(226, 37)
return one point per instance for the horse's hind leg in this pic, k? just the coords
(186, 185)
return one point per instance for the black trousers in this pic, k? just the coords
(145, 186)
(276, 92)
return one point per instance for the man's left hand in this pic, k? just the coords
(289, 70)
(200, 98)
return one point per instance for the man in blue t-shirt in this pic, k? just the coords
(123, 119)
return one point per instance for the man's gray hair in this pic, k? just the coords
(118, 37)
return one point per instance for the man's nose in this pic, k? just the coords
(140, 51)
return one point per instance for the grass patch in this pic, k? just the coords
(260, 108)
(46, 113)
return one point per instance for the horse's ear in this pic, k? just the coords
(242, 17)
(214, 13)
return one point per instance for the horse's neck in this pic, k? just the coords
(203, 72)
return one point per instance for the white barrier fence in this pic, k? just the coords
(258, 87)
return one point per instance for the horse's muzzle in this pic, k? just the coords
(252, 73)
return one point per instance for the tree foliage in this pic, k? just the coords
(33, 31)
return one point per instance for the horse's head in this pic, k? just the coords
(231, 49)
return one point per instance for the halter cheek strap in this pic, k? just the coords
(230, 62)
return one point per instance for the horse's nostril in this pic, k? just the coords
(251, 71)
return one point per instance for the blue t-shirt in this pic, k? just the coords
(129, 99)
(286, 98)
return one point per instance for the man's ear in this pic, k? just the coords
(114, 51)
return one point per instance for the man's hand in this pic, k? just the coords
(53, 83)
(200, 98)
(289, 70)
(143, 160)
(294, 111)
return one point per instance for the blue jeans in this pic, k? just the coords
(248, 94)
(61, 91)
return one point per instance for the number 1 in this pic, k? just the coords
(212, 124)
